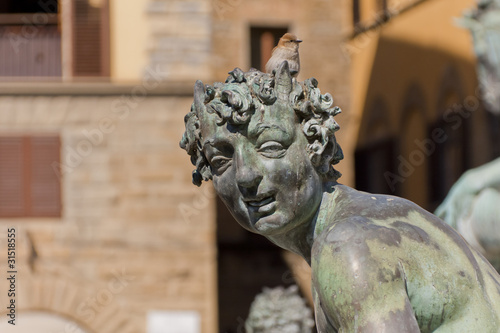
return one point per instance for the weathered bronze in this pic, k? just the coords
(484, 25)
(472, 205)
(379, 263)
(472, 208)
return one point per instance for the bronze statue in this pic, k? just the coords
(471, 206)
(379, 263)
(484, 25)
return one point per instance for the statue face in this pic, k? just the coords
(262, 171)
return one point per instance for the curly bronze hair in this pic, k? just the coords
(235, 101)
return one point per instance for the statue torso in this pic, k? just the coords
(378, 249)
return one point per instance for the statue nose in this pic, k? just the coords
(247, 171)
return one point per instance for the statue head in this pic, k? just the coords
(268, 144)
(484, 25)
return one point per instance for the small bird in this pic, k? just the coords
(287, 49)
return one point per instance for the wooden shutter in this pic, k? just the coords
(45, 188)
(29, 187)
(12, 198)
(356, 15)
(90, 38)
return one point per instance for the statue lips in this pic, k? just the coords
(261, 205)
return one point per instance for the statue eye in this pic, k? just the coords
(220, 163)
(272, 149)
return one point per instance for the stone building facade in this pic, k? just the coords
(133, 237)
(135, 245)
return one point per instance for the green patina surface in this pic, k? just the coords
(376, 267)
(379, 263)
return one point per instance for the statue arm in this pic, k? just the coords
(487, 175)
(358, 291)
(461, 196)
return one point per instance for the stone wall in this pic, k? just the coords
(134, 235)
(180, 38)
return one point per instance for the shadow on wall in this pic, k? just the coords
(421, 107)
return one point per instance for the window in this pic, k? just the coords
(355, 12)
(368, 13)
(413, 161)
(29, 187)
(382, 5)
(27, 6)
(262, 42)
(34, 35)
(448, 161)
(372, 163)
(30, 43)
(90, 38)
(374, 158)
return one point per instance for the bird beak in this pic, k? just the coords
(298, 41)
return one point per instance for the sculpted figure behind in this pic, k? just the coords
(471, 206)
(379, 263)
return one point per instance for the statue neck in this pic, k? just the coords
(326, 208)
(300, 240)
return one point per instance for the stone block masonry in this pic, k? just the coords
(122, 246)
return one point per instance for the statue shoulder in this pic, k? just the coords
(349, 237)
(350, 203)
(353, 267)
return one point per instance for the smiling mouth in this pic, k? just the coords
(263, 205)
(260, 203)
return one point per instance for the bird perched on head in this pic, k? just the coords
(287, 49)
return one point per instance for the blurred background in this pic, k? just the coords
(111, 236)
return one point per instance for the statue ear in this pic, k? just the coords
(283, 81)
(199, 97)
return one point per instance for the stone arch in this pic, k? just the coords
(377, 123)
(69, 299)
(449, 160)
(374, 155)
(451, 83)
(413, 159)
(414, 100)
